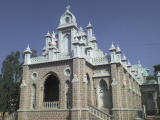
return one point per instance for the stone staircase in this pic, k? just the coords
(98, 114)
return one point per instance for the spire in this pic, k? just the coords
(89, 25)
(28, 50)
(124, 58)
(53, 34)
(129, 64)
(118, 50)
(48, 34)
(112, 47)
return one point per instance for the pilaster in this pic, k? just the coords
(78, 88)
(24, 89)
(116, 91)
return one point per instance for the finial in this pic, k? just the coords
(124, 57)
(89, 25)
(112, 47)
(68, 7)
(53, 34)
(28, 50)
(139, 62)
(129, 63)
(81, 28)
(48, 34)
(118, 49)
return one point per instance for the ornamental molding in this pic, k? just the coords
(34, 75)
(85, 79)
(75, 78)
(67, 71)
(124, 83)
(23, 84)
(114, 83)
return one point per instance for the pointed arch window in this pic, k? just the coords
(104, 96)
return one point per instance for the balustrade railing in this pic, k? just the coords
(99, 114)
(12, 116)
(51, 105)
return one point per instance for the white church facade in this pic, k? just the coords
(75, 80)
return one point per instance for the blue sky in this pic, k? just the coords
(133, 24)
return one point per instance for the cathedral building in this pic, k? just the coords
(75, 80)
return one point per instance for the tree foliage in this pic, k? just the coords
(151, 77)
(10, 79)
(156, 68)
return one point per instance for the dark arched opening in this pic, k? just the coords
(104, 96)
(51, 89)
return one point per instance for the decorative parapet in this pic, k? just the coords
(62, 57)
(99, 61)
(43, 59)
(93, 61)
(40, 59)
(101, 74)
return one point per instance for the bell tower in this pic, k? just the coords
(66, 32)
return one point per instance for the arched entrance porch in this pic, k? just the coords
(51, 92)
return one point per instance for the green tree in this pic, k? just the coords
(156, 68)
(10, 80)
(151, 77)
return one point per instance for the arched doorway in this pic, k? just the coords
(104, 98)
(51, 89)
